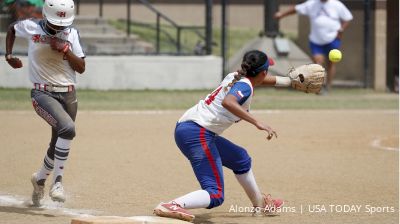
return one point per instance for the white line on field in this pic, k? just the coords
(57, 208)
(150, 112)
(20, 202)
(377, 143)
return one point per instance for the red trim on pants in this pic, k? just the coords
(212, 163)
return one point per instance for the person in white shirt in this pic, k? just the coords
(54, 55)
(328, 19)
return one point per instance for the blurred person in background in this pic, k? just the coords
(329, 19)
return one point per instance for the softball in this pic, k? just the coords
(335, 55)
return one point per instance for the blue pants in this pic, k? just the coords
(324, 49)
(207, 153)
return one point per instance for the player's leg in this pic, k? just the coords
(197, 144)
(38, 179)
(238, 160)
(318, 57)
(331, 65)
(48, 161)
(51, 107)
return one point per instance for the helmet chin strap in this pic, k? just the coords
(51, 31)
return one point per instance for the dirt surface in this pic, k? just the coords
(325, 165)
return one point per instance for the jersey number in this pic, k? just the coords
(212, 96)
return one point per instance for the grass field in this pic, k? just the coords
(264, 98)
(237, 37)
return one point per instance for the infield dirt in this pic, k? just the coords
(125, 163)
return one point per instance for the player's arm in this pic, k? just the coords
(64, 47)
(76, 63)
(278, 81)
(280, 14)
(343, 27)
(10, 38)
(231, 103)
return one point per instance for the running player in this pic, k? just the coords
(54, 55)
(197, 135)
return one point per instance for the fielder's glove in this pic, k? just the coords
(307, 78)
(59, 45)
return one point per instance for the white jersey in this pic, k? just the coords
(47, 66)
(325, 19)
(210, 114)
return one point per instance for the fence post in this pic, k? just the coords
(271, 25)
(101, 8)
(178, 40)
(77, 6)
(128, 18)
(209, 5)
(224, 39)
(158, 34)
(367, 42)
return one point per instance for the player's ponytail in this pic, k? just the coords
(252, 62)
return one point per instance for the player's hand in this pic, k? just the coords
(271, 132)
(278, 15)
(59, 45)
(14, 61)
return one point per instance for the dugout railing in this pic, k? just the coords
(202, 32)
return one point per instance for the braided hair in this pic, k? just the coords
(253, 62)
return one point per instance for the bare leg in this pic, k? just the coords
(331, 74)
(320, 59)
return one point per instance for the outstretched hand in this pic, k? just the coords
(271, 132)
(14, 62)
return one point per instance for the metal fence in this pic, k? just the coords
(203, 32)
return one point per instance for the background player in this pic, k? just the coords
(197, 135)
(54, 55)
(328, 19)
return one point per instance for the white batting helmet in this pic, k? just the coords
(59, 12)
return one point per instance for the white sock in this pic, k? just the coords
(45, 170)
(60, 156)
(250, 186)
(195, 199)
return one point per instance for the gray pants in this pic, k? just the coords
(59, 111)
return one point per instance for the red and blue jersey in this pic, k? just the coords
(210, 114)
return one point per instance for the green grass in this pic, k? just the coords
(264, 98)
(237, 37)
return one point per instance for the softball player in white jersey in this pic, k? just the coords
(197, 135)
(54, 54)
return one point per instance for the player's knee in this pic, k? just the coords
(216, 197)
(243, 166)
(67, 131)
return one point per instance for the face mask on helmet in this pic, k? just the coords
(59, 13)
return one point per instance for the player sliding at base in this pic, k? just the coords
(54, 54)
(198, 135)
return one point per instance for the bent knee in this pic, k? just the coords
(67, 131)
(215, 202)
(215, 199)
(243, 166)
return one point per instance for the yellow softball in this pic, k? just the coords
(335, 55)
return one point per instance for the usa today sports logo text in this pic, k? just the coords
(316, 208)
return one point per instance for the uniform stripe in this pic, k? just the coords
(61, 154)
(61, 149)
(61, 158)
(48, 165)
(212, 163)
